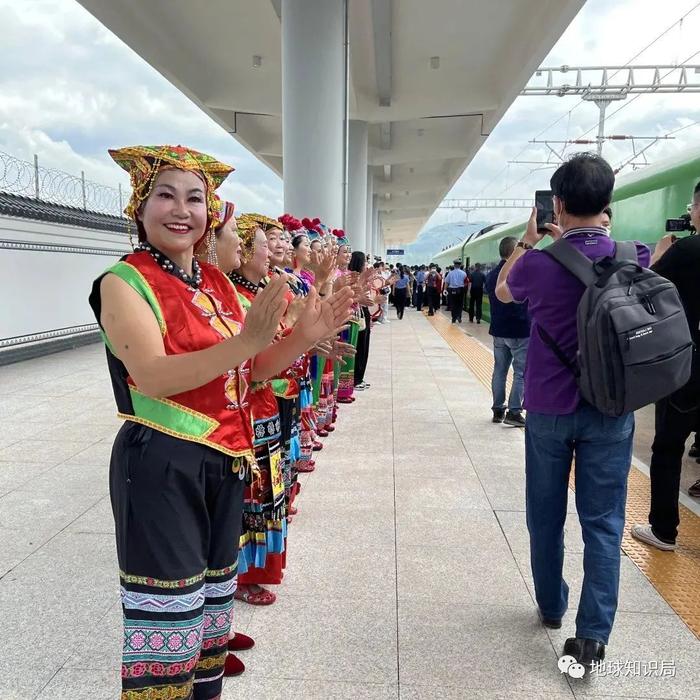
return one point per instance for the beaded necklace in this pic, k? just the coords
(246, 284)
(169, 266)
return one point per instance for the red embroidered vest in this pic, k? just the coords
(217, 414)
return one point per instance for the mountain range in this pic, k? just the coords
(433, 240)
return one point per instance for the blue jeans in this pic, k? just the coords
(602, 447)
(505, 351)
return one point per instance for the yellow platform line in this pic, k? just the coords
(675, 575)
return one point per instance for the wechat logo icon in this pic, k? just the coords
(568, 664)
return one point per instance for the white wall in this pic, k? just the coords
(46, 288)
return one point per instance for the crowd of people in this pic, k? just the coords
(420, 286)
(232, 341)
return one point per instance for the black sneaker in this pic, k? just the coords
(694, 490)
(498, 415)
(514, 419)
(694, 451)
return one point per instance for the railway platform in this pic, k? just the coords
(408, 567)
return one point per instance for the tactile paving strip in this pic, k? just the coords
(675, 575)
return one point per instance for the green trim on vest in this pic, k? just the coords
(244, 301)
(133, 277)
(172, 416)
(280, 387)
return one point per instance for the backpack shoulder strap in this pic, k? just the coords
(576, 263)
(626, 250)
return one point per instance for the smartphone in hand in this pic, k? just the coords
(545, 209)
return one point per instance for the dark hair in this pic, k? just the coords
(477, 266)
(296, 240)
(697, 189)
(608, 211)
(377, 265)
(357, 261)
(584, 184)
(507, 246)
(402, 270)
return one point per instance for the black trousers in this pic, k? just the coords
(178, 512)
(362, 354)
(419, 295)
(400, 299)
(476, 298)
(455, 297)
(672, 430)
(433, 300)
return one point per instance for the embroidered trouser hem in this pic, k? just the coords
(178, 513)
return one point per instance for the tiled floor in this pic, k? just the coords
(408, 569)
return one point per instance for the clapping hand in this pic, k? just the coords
(263, 318)
(341, 349)
(321, 319)
(345, 280)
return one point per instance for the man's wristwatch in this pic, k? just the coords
(523, 244)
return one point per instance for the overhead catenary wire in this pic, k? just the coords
(582, 101)
(627, 103)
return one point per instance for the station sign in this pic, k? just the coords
(394, 251)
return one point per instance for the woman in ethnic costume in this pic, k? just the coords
(261, 557)
(358, 263)
(179, 355)
(287, 391)
(346, 380)
(301, 243)
(318, 234)
(228, 258)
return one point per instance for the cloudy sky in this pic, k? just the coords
(69, 89)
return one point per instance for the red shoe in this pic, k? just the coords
(262, 597)
(317, 446)
(348, 400)
(322, 433)
(233, 666)
(240, 642)
(306, 468)
(292, 510)
(330, 428)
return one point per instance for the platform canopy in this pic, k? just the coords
(431, 79)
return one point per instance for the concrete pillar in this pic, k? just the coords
(313, 108)
(356, 217)
(378, 233)
(369, 225)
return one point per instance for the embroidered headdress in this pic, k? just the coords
(264, 222)
(290, 223)
(313, 228)
(143, 163)
(247, 227)
(223, 213)
(340, 237)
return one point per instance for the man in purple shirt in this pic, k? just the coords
(560, 425)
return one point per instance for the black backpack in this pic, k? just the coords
(634, 343)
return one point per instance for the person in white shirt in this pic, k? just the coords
(455, 290)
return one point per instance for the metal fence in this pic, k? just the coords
(30, 179)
